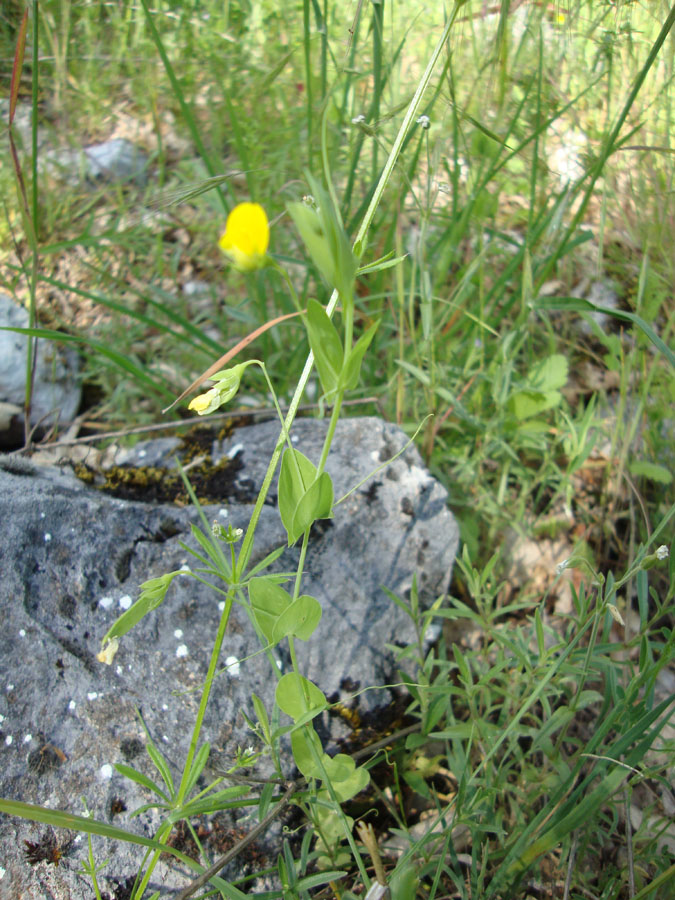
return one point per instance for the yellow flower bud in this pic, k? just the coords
(204, 402)
(246, 237)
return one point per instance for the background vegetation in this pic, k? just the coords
(538, 188)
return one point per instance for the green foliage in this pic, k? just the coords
(529, 175)
(305, 495)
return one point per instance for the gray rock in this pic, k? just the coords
(603, 294)
(115, 160)
(22, 126)
(72, 558)
(56, 392)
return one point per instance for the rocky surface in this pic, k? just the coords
(56, 390)
(116, 160)
(73, 558)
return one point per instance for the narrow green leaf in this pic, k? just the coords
(312, 881)
(266, 562)
(577, 304)
(326, 347)
(295, 477)
(541, 645)
(262, 716)
(161, 765)
(152, 595)
(198, 764)
(140, 375)
(352, 369)
(133, 775)
(225, 799)
(265, 800)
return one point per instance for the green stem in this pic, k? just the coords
(398, 143)
(210, 675)
(332, 425)
(162, 837)
(247, 544)
(273, 264)
(301, 565)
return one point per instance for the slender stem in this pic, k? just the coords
(301, 565)
(332, 425)
(247, 544)
(210, 675)
(273, 264)
(398, 143)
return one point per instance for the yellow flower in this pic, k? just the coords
(246, 237)
(205, 403)
(226, 386)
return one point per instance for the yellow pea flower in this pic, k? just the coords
(206, 403)
(246, 237)
(226, 386)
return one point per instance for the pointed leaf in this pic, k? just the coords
(316, 503)
(295, 477)
(134, 775)
(326, 346)
(152, 596)
(350, 375)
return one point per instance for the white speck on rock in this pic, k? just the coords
(10, 687)
(223, 513)
(8, 739)
(142, 453)
(72, 705)
(185, 568)
(126, 601)
(233, 666)
(164, 707)
(105, 602)
(221, 605)
(119, 670)
(2, 718)
(294, 439)
(178, 633)
(43, 515)
(2, 873)
(181, 650)
(92, 695)
(48, 537)
(106, 772)
(232, 452)
(27, 738)
(165, 739)
(22, 632)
